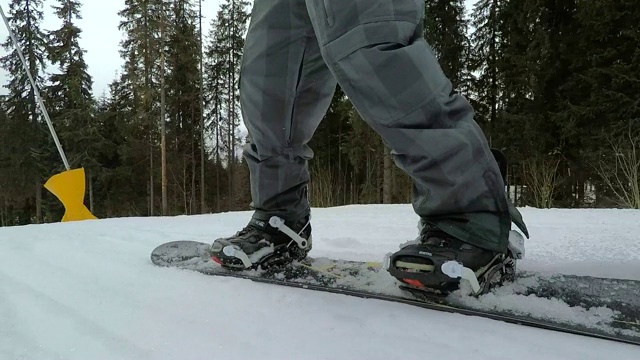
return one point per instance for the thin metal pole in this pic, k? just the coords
(35, 91)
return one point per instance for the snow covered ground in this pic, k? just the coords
(88, 290)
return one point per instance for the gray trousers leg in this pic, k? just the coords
(375, 50)
(285, 91)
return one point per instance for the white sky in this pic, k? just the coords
(101, 37)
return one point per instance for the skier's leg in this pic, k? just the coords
(285, 90)
(376, 50)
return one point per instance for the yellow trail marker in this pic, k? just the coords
(69, 187)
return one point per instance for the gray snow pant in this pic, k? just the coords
(296, 51)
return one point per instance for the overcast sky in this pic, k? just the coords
(100, 36)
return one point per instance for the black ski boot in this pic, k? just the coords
(437, 261)
(264, 243)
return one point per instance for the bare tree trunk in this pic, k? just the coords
(151, 194)
(230, 136)
(203, 207)
(387, 178)
(192, 160)
(38, 201)
(217, 161)
(91, 208)
(339, 177)
(146, 102)
(580, 184)
(163, 130)
(33, 110)
(3, 211)
(232, 120)
(494, 81)
(184, 185)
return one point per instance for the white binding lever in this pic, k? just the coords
(231, 251)
(455, 270)
(279, 224)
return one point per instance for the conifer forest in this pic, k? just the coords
(555, 85)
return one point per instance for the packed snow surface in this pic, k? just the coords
(87, 290)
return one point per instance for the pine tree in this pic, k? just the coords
(120, 184)
(70, 98)
(213, 99)
(141, 52)
(601, 93)
(224, 54)
(486, 54)
(446, 32)
(183, 103)
(25, 17)
(331, 170)
(520, 46)
(7, 167)
(600, 103)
